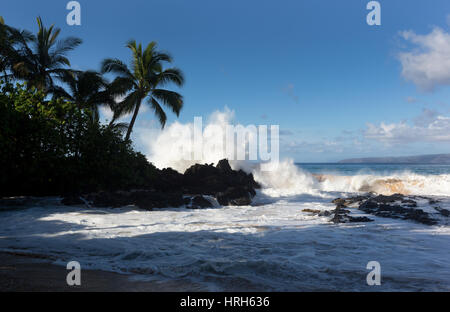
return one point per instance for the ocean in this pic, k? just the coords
(374, 169)
(273, 245)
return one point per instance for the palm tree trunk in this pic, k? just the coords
(130, 127)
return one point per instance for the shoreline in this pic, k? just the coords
(33, 273)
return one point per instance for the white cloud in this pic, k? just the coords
(430, 126)
(428, 65)
(106, 113)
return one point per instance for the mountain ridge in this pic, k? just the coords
(419, 159)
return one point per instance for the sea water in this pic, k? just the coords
(272, 245)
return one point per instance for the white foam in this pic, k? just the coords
(275, 246)
(405, 183)
(173, 145)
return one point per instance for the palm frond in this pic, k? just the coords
(120, 126)
(170, 99)
(159, 112)
(171, 75)
(128, 105)
(115, 66)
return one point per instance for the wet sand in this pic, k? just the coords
(34, 273)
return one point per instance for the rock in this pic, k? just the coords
(342, 215)
(432, 201)
(230, 187)
(409, 203)
(359, 219)
(72, 200)
(235, 196)
(313, 211)
(396, 211)
(395, 206)
(442, 211)
(224, 166)
(389, 199)
(198, 202)
(350, 201)
(326, 213)
(169, 180)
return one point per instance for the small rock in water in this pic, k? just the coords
(311, 211)
(198, 202)
(395, 206)
(442, 211)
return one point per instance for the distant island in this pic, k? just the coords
(421, 159)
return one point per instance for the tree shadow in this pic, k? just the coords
(243, 257)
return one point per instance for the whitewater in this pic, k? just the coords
(272, 245)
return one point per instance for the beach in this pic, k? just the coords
(285, 243)
(34, 273)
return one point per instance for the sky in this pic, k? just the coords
(337, 87)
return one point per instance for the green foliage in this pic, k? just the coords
(145, 80)
(55, 147)
(52, 147)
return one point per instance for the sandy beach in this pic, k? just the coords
(34, 273)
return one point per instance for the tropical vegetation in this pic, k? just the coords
(52, 140)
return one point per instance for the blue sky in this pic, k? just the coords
(337, 87)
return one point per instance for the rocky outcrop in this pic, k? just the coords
(396, 206)
(396, 211)
(339, 215)
(174, 189)
(236, 196)
(228, 186)
(199, 202)
(342, 215)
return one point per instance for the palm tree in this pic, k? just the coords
(11, 43)
(87, 89)
(143, 81)
(46, 59)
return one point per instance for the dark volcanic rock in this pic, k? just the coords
(350, 201)
(236, 196)
(230, 187)
(442, 211)
(342, 215)
(169, 180)
(198, 202)
(72, 200)
(396, 211)
(224, 166)
(395, 206)
(326, 213)
(313, 211)
(209, 180)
